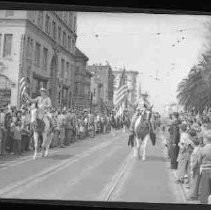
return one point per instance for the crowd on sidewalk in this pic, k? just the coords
(70, 125)
(189, 151)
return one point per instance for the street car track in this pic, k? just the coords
(28, 158)
(111, 188)
(53, 169)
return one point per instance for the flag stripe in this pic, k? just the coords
(123, 92)
(120, 90)
(120, 96)
(120, 99)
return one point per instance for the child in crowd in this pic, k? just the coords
(183, 157)
(205, 165)
(16, 129)
(195, 170)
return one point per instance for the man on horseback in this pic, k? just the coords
(139, 110)
(42, 123)
(43, 101)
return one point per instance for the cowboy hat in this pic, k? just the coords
(43, 90)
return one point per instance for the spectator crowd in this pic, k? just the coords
(189, 150)
(69, 126)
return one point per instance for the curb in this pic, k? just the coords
(184, 192)
(182, 189)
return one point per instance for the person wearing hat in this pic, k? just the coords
(139, 110)
(195, 169)
(174, 138)
(43, 101)
(205, 165)
(183, 157)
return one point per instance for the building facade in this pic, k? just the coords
(102, 86)
(39, 45)
(131, 80)
(82, 93)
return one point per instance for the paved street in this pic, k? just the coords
(99, 169)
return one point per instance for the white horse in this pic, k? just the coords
(142, 130)
(42, 128)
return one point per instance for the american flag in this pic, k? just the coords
(22, 87)
(121, 94)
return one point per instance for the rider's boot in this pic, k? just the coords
(43, 151)
(34, 156)
(46, 152)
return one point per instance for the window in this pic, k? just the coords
(47, 23)
(60, 14)
(74, 27)
(77, 85)
(40, 19)
(34, 85)
(37, 54)
(67, 70)
(9, 13)
(59, 34)
(64, 42)
(65, 17)
(7, 45)
(0, 43)
(69, 43)
(70, 19)
(45, 58)
(49, 28)
(73, 45)
(31, 48)
(28, 45)
(54, 30)
(62, 68)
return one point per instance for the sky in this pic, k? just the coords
(152, 44)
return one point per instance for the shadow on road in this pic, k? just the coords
(59, 157)
(156, 158)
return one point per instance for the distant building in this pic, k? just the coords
(82, 93)
(102, 86)
(39, 45)
(131, 80)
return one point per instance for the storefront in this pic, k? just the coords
(5, 91)
(38, 82)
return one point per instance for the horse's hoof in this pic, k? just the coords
(143, 158)
(34, 157)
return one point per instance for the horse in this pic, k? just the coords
(142, 133)
(125, 122)
(42, 128)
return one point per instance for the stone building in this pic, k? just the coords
(131, 80)
(102, 87)
(39, 45)
(82, 94)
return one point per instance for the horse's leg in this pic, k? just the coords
(48, 143)
(35, 135)
(137, 148)
(44, 136)
(144, 144)
(124, 128)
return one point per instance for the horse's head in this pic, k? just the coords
(147, 113)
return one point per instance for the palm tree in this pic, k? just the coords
(195, 90)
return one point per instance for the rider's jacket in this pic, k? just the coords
(43, 103)
(134, 118)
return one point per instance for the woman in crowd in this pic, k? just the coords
(174, 140)
(205, 165)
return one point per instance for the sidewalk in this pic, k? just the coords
(183, 189)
